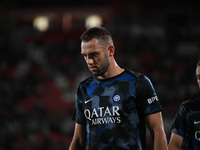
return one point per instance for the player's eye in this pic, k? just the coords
(94, 54)
(84, 55)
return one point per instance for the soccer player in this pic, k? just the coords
(186, 125)
(113, 106)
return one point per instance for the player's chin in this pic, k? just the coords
(94, 73)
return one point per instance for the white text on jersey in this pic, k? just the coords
(103, 115)
(152, 99)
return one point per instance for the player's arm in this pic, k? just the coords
(79, 138)
(175, 142)
(155, 125)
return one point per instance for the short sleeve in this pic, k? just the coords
(78, 114)
(148, 101)
(179, 123)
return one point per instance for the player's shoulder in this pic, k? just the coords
(140, 78)
(86, 81)
(135, 74)
(191, 102)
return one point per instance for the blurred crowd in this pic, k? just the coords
(39, 72)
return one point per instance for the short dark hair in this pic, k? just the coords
(100, 33)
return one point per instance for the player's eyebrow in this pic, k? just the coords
(90, 54)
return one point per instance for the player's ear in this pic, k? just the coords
(111, 50)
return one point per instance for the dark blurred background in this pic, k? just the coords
(41, 65)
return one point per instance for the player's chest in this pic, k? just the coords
(193, 120)
(107, 104)
(109, 94)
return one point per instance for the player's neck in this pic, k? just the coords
(112, 71)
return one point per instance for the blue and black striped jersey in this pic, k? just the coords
(114, 109)
(187, 123)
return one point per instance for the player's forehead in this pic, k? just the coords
(92, 43)
(91, 46)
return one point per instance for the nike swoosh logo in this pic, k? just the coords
(87, 101)
(196, 122)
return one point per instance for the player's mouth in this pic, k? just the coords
(93, 68)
